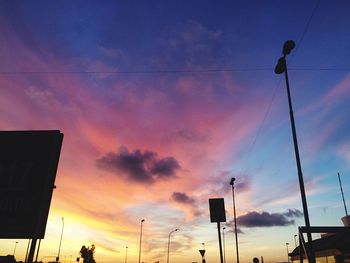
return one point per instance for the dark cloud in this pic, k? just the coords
(265, 219)
(136, 166)
(182, 198)
(231, 227)
(165, 167)
(293, 213)
(243, 186)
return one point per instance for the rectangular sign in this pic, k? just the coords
(217, 210)
(28, 165)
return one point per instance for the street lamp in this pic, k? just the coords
(169, 243)
(287, 251)
(203, 246)
(223, 239)
(280, 68)
(143, 220)
(234, 214)
(14, 250)
(126, 254)
(295, 240)
(59, 248)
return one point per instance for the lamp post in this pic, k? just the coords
(295, 240)
(14, 250)
(143, 220)
(287, 252)
(203, 246)
(59, 248)
(280, 68)
(126, 254)
(169, 243)
(234, 214)
(223, 240)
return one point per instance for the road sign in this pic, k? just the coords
(28, 165)
(202, 251)
(217, 210)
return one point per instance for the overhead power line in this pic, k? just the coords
(268, 109)
(165, 71)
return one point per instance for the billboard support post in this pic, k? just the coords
(217, 215)
(220, 245)
(32, 250)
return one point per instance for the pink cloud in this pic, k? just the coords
(344, 151)
(198, 120)
(330, 99)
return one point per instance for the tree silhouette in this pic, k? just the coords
(87, 254)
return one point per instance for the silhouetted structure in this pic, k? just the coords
(7, 259)
(87, 254)
(280, 68)
(332, 245)
(217, 215)
(28, 161)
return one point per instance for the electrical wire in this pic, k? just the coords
(162, 71)
(267, 112)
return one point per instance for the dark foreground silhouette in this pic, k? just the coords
(87, 254)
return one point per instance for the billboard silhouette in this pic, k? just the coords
(28, 165)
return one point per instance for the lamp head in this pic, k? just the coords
(143, 220)
(224, 228)
(281, 65)
(288, 46)
(232, 180)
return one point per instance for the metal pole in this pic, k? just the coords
(223, 239)
(297, 157)
(295, 240)
(59, 248)
(37, 252)
(14, 250)
(220, 246)
(234, 215)
(140, 240)
(287, 252)
(341, 189)
(32, 250)
(167, 259)
(126, 254)
(169, 243)
(26, 259)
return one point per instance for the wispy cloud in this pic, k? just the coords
(184, 199)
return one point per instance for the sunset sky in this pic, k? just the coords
(162, 102)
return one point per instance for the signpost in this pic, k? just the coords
(202, 252)
(28, 165)
(217, 214)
